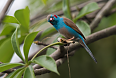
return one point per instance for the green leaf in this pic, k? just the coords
(44, 1)
(84, 28)
(47, 32)
(6, 50)
(8, 29)
(27, 43)
(15, 44)
(11, 75)
(2, 40)
(50, 51)
(10, 19)
(87, 9)
(22, 16)
(19, 74)
(29, 72)
(47, 62)
(6, 66)
(66, 8)
(108, 21)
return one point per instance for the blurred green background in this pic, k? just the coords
(81, 64)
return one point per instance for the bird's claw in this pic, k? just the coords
(65, 40)
(71, 38)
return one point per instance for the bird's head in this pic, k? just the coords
(53, 19)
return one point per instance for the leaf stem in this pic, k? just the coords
(57, 43)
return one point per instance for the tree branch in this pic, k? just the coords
(73, 9)
(5, 9)
(91, 38)
(102, 12)
(1, 74)
(59, 54)
(40, 43)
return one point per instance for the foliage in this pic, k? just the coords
(47, 62)
(17, 29)
(84, 28)
(86, 10)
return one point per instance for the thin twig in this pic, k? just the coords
(40, 43)
(102, 12)
(5, 9)
(68, 64)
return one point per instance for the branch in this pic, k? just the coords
(5, 9)
(40, 43)
(1, 74)
(59, 54)
(91, 38)
(59, 13)
(102, 12)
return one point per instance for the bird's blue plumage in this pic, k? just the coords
(68, 29)
(60, 24)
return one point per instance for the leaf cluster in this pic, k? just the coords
(17, 29)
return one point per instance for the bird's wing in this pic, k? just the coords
(71, 24)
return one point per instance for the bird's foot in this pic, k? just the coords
(65, 41)
(71, 38)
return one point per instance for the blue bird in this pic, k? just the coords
(69, 30)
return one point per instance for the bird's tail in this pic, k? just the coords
(82, 42)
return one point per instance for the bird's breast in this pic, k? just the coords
(65, 33)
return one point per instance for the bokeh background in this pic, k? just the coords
(81, 64)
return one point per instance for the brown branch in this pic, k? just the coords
(73, 9)
(59, 54)
(5, 9)
(91, 38)
(1, 74)
(102, 12)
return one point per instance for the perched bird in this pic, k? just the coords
(69, 30)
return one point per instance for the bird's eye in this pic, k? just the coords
(51, 19)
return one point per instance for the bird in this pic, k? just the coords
(69, 30)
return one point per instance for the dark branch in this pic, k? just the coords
(91, 38)
(5, 9)
(59, 54)
(60, 13)
(102, 12)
